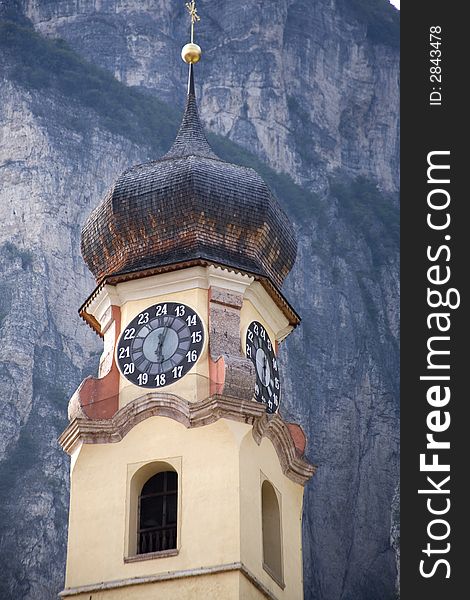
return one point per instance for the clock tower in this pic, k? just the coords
(186, 482)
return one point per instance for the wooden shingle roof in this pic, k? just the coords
(189, 205)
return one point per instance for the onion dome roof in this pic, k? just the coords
(189, 206)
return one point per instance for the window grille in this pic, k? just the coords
(158, 505)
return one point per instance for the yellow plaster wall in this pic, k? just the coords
(194, 385)
(252, 473)
(209, 528)
(219, 586)
(221, 469)
(231, 585)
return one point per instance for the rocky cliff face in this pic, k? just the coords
(294, 80)
(307, 88)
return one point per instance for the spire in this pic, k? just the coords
(191, 139)
(191, 90)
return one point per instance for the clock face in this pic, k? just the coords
(160, 345)
(260, 350)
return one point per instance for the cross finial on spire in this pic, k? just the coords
(191, 53)
(192, 10)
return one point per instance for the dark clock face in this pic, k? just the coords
(260, 350)
(160, 345)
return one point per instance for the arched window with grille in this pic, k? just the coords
(158, 508)
(272, 538)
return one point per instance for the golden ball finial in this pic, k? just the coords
(191, 53)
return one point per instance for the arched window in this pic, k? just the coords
(158, 504)
(271, 523)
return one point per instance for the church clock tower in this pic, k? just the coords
(186, 482)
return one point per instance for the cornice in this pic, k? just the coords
(189, 414)
(197, 414)
(276, 429)
(239, 278)
(168, 576)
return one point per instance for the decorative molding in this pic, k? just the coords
(169, 576)
(189, 414)
(182, 267)
(224, 278)
(196, 414)
(101, 302)
(165, 283)
(277, 431)
(151, 556)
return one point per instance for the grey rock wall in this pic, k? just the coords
(301, 85)
(295, 80)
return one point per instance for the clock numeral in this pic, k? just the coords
(248, 351)
(177, 372)
(276, 383)
(124, 352)
(256, 389)
(129, 334)
(180, 310)
(128, 368)
(142, 379)
(196, 337)
(161, 310)
(263, 334)
(143, 318)
(270, 347)
(274, 364)
(276, 399)
(270, 404)
(160, 380)
(250, 335)
(191, 356)
(256, 329)
(191, 320)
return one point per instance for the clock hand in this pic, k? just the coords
(161, 343)
(158, 350)
(164, 338)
